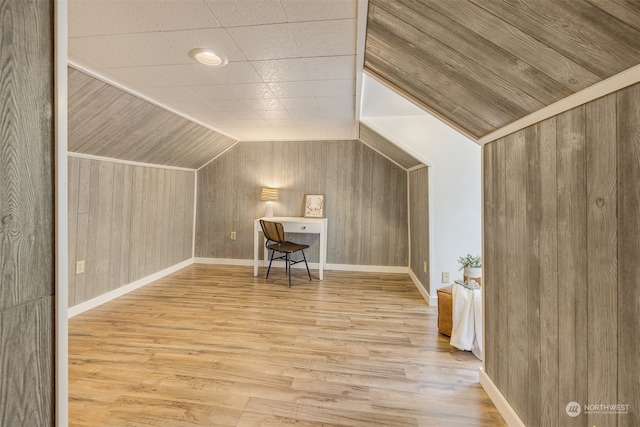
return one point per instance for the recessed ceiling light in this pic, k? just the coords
(208, 56)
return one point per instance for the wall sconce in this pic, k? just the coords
(269, 194)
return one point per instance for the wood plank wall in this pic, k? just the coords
(561, 250)
(365, 199)
(126, 222)
(419, 223)
(26, 214)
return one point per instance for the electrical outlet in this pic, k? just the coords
(424, 266)
(80, 267)
(233, 235)
(445, 277)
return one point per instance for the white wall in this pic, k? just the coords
(455, 174)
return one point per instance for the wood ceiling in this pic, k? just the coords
(482, 64)
(108, 122)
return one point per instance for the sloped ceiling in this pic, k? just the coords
(482, 64)
(387, 148)
(108, 122)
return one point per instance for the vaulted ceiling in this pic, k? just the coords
(294, 66)
(482, 64)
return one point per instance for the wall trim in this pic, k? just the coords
(431, 301)
(61, 225)
(503, 406)
(111, 295)
(312, 265)
(595, 91)
(127, 162)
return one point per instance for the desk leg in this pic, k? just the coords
(256, 247)
(323, 254)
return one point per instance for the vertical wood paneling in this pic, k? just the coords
(518, 248)
(419, 223)
(531, 282)
(137, 223)
(26, 214)
(572, 259)
(548, 248)
(628, 113)
(26, 372)
(572, 191)
(365, 199)
(602, 244)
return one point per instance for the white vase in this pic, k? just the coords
(473, 273)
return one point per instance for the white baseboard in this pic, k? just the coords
(312, 265)
(430, 301)
(99, 300)
(368, 268)
(507, 412)
(223, 261)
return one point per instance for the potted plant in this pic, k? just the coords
(472, 266)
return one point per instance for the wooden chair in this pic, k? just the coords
(276, 242)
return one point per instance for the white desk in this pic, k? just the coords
(294, 225)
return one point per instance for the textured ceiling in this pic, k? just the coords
(482, 64)
(291, 72)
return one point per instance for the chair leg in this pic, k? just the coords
(289, 266)
(270, 261)
(305, 263)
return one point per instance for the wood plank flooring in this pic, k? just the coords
(214, 346)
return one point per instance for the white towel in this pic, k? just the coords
(466, 333)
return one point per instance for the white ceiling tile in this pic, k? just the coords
(201, 75)
(334, 87)
(281, 70)
(101, 51)
(152, 48)
(170, 93)
(211, 93)
(325, 38)
(307, 103)
(212, 117)
(331, 68)
(234, 13)
(248, 104)
(305, 114)
(274, 115)
(292, 89)
(331, 102)
(280, 123)
(247, 115)
(167, 15)
(77, 28)
(214, 38)
(193, 106)
(110, 16)
(250, 91)
(318, 10)
(140, 77)
(265, 41)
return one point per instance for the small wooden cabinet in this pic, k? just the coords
(445, 310)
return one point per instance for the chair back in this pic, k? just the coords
(273, 231)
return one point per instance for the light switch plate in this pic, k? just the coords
(445, 277)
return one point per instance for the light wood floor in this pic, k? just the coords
(214, 346)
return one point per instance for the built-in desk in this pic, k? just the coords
(293, 225)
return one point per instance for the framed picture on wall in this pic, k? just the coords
(313, 205)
